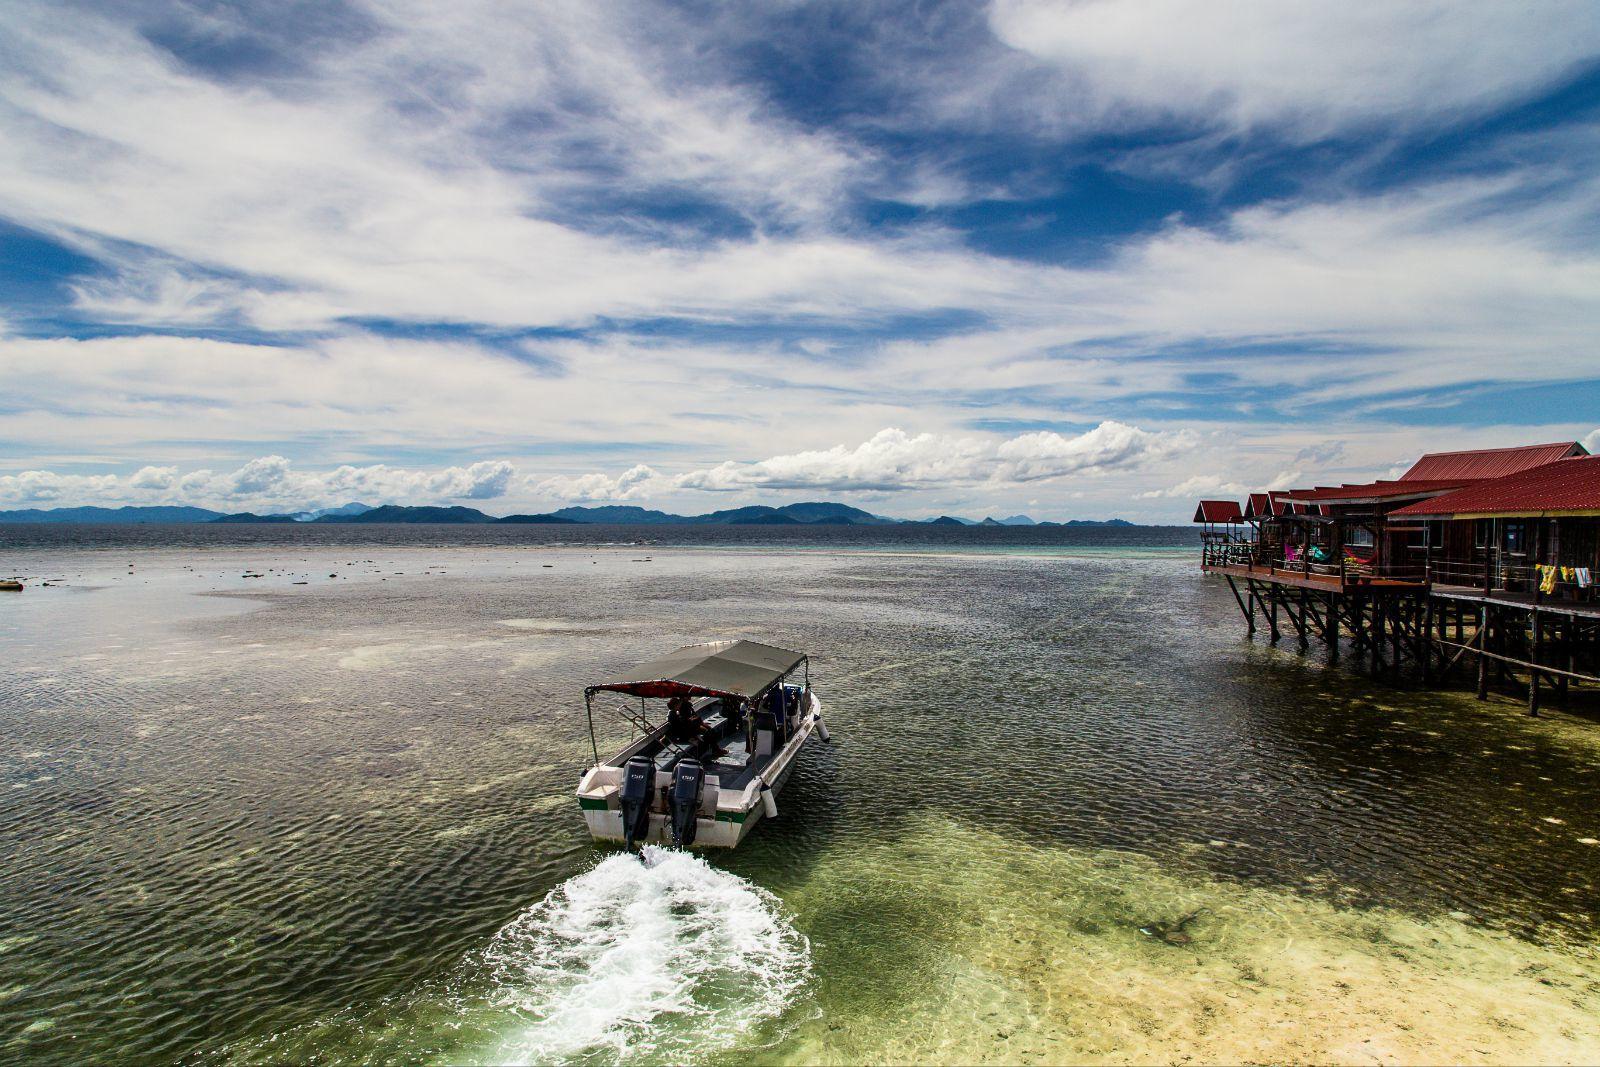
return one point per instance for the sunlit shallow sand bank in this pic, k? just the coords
(1036, 955)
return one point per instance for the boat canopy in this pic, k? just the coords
(717, 668)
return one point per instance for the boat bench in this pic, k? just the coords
(674, 751)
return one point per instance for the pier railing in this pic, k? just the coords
(1277, 560)
(1516, 577)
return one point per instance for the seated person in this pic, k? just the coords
(682, 722)
(685, 724)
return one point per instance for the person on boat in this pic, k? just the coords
(685, 724)
(682, 722)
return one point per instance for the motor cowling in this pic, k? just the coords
(688, 781)
(638, 783)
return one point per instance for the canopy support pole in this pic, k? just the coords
(588, 710)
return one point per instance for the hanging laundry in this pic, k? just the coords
(1583, 577)
(1547, 579)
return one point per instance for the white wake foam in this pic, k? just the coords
(665, 959)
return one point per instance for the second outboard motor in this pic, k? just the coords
(687, 783)
(638, 783)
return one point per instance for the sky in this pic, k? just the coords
(1073, 259)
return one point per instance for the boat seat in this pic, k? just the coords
(669, 756)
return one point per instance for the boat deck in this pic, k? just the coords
(730, 770)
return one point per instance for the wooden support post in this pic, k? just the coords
(1396, 633)
(1483, 647)
(1567, 644)
(1425, 639)
(1272, 617)
(1535, 647)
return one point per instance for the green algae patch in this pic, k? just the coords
(955, 945)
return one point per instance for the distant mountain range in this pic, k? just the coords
(351, 508)
(810, 513)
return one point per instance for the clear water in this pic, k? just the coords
(247, 820)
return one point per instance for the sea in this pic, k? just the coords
(305, 794)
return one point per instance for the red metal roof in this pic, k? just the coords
(1258, 505)
(1218, 511)
(1380, 490)
(1279, 501)
(1488, 462)
(1567, 485)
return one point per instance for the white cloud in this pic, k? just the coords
(430, 172)
(446, 168)
(1592, 442)
(891, 461)
(47, 487)
(1218, 485)
(267, 483)
(1308, 66)
(895, 460)
(1201, 486)
(481, 481)
(153, 478)
(633, 484)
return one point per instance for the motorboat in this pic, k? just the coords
(716, 731)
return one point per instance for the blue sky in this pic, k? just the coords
(1074, 259)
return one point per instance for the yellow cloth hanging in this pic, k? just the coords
(1547, 581)
(1566, 574)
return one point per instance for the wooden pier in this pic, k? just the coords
(1438, 635)
(1473, 568)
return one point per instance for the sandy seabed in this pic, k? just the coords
(1040, 958)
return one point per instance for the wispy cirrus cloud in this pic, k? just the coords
(1306, 69)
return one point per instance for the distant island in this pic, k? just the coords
(808, 513)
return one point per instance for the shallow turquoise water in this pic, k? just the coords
(253, 820)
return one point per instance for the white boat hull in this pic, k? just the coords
(726, 816)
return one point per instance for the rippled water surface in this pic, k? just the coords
(1069, 814)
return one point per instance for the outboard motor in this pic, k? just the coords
(688, 780)
(638, 783)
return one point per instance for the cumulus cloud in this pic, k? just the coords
(1204, 485)
(1199, 487)
(47, 487)
(893, 460)
(1592, 442)
(267, 482)
(635, 483)
(890, 461)
(153, 478)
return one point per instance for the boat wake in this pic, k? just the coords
(664, 960)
